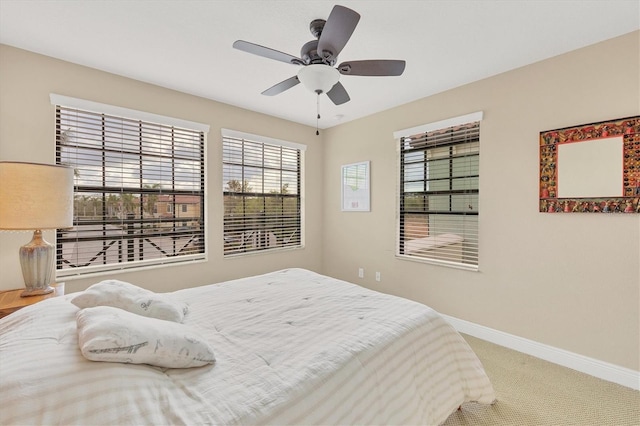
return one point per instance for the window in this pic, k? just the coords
(262, 193)
(439, 192)
(129, 175)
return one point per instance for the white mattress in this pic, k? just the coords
(291, 347)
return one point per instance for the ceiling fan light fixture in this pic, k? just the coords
(318, 78)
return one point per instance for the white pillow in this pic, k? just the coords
(132, 298)
(114, 335)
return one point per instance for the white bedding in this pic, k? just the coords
(291, 347)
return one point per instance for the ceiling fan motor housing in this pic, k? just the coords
(310, 55)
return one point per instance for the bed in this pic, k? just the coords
(291, 347)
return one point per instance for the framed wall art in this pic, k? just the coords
(591, 168)
(356, 195)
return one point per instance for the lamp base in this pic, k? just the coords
(37, 292)
(37, 259)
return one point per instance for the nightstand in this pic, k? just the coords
(10, 300)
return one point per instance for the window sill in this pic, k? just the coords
(262, 252)
(453, 265)
(70, 275)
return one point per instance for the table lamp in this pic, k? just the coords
(36, 197)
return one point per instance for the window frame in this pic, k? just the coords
(69, 103)
(440, 255)
(228, 134)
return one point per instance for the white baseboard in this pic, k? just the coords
(600, 369)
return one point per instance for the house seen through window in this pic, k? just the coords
(129, 176)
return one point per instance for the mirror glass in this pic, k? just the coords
(590, 168)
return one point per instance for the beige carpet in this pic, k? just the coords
(531, 391)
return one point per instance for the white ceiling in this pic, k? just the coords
(186, 45)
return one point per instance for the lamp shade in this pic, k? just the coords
(318, 77)
(35, 196)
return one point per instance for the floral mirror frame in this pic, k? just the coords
(610, 141)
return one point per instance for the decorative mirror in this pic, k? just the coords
(591, 168)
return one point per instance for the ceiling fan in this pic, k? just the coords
(319, 56)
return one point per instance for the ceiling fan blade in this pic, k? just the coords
(282, 86)
(372, 67)
(338, 94)
(337, 30)
(266, 52)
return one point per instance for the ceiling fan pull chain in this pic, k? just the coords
(318, 110)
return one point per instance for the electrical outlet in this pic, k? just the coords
(377, 276)
(360, 272)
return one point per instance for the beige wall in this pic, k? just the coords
(571, 281)
(27, 134)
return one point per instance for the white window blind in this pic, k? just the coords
(262, 193)
(129, 176)
(439, 194)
